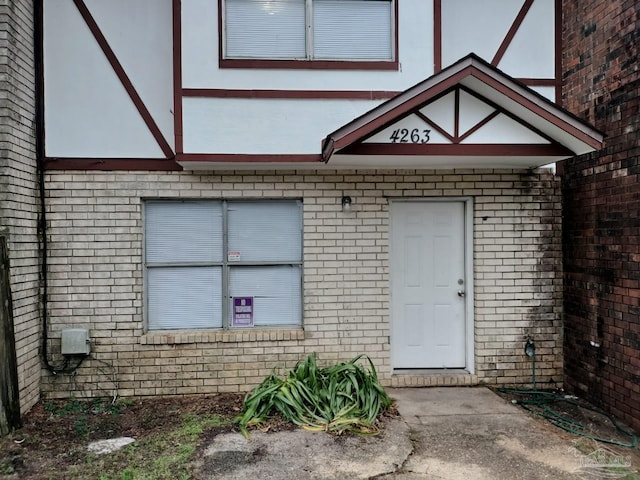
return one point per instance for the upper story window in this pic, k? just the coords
(311, 30)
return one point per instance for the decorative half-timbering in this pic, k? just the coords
(468, 115)
(152, 80)
(233, 184)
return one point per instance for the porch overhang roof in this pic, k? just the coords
(561, 135)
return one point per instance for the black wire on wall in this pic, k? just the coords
(42, 213)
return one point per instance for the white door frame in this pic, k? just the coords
(468, 271)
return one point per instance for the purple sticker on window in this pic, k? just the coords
(242, 312)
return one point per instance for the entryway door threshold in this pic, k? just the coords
(432, 378)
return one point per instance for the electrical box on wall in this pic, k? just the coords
(76, 341)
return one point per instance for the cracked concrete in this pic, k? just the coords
(443, 433)
(303, 455)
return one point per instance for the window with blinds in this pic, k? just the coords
(204, 258)
(308, 29)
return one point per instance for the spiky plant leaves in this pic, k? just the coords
(338, 398)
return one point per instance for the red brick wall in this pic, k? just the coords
(601, 195)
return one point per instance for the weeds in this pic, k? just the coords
(82, 410)
(95, 406)
(53, 442)
(161, 456)
(72, 406)
(81, 426)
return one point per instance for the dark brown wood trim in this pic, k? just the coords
(558, 51)
(309, 64)
(479, 125)
(509, 114)
(109, 164)
(321, 94)
(124, 79)
(416, 111)
(290, 94)
(537, 109)
(412, 104)
(248, 158)
(437, 35)
(512, 32)
(366, 125)
(463, 150)
(177, 74)
(538, 82)
(327, 149)
(435, 126)
(542, 82)
(456, 115)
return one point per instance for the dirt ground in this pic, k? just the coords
(55, 434)
(52, 444)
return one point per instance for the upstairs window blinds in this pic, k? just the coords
(308, 29)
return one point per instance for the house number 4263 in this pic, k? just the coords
(404, 135)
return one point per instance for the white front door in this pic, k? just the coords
(428, 285)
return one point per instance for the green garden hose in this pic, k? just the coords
(539, 403)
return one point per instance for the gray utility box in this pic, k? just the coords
(76, 341)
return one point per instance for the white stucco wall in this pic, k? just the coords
(90, 115)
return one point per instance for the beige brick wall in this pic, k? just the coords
(18, 187)
(96, 278)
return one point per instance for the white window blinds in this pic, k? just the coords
(183, 231)
(352, 29)
(184, 297)
(265, 231)
(265, 29)
(201, 254)
(181, 239)
(309, 29)
(276, 292)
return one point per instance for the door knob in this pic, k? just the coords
(461, 293)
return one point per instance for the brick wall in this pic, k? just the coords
(18, 186)
(601, 194)
(96, 278)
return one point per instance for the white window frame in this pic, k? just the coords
(226, 265)
(309, 44)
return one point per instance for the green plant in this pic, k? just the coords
(6, 468)
(63, 408)
(163, 456)
(94, 406)
(338, 398)
(108, 405)
(81, 426)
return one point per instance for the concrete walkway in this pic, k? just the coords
(443, 433)
(471, 433)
